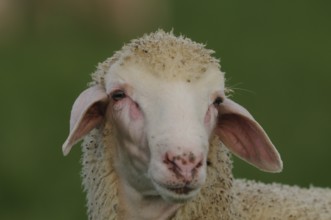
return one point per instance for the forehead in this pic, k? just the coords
(141, 79)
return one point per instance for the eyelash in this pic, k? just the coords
(118, 95)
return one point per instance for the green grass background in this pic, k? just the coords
(276, 54)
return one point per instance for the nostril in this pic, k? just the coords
(185, 165)
(199, 164)
(168, 159)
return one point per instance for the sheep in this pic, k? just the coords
(159, 130)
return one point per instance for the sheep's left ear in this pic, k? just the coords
(238, 130)
(87, 113)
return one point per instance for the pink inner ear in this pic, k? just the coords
(87, 112)
(92, 118)
(246, 138)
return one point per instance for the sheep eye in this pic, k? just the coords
(118, 95)
(218, 101)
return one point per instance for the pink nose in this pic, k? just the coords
(185, 165)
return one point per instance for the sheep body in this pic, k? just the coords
(221, 197)
(275, 201)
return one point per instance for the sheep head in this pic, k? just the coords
(164, 97)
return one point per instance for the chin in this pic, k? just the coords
(178, 194)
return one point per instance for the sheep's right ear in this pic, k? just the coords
(87, 112)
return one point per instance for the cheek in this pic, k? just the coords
(210, 118)
(207, 117)
(128, 119)
(127, 108)
(134, 111)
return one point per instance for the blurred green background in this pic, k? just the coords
(277, 56)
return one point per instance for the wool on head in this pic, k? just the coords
(163, 55)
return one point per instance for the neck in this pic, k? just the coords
(100, 180)
(133, 205)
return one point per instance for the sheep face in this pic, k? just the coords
(163, 128)
(164, 98)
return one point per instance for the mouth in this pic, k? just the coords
(182, 190)
(176, 194)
